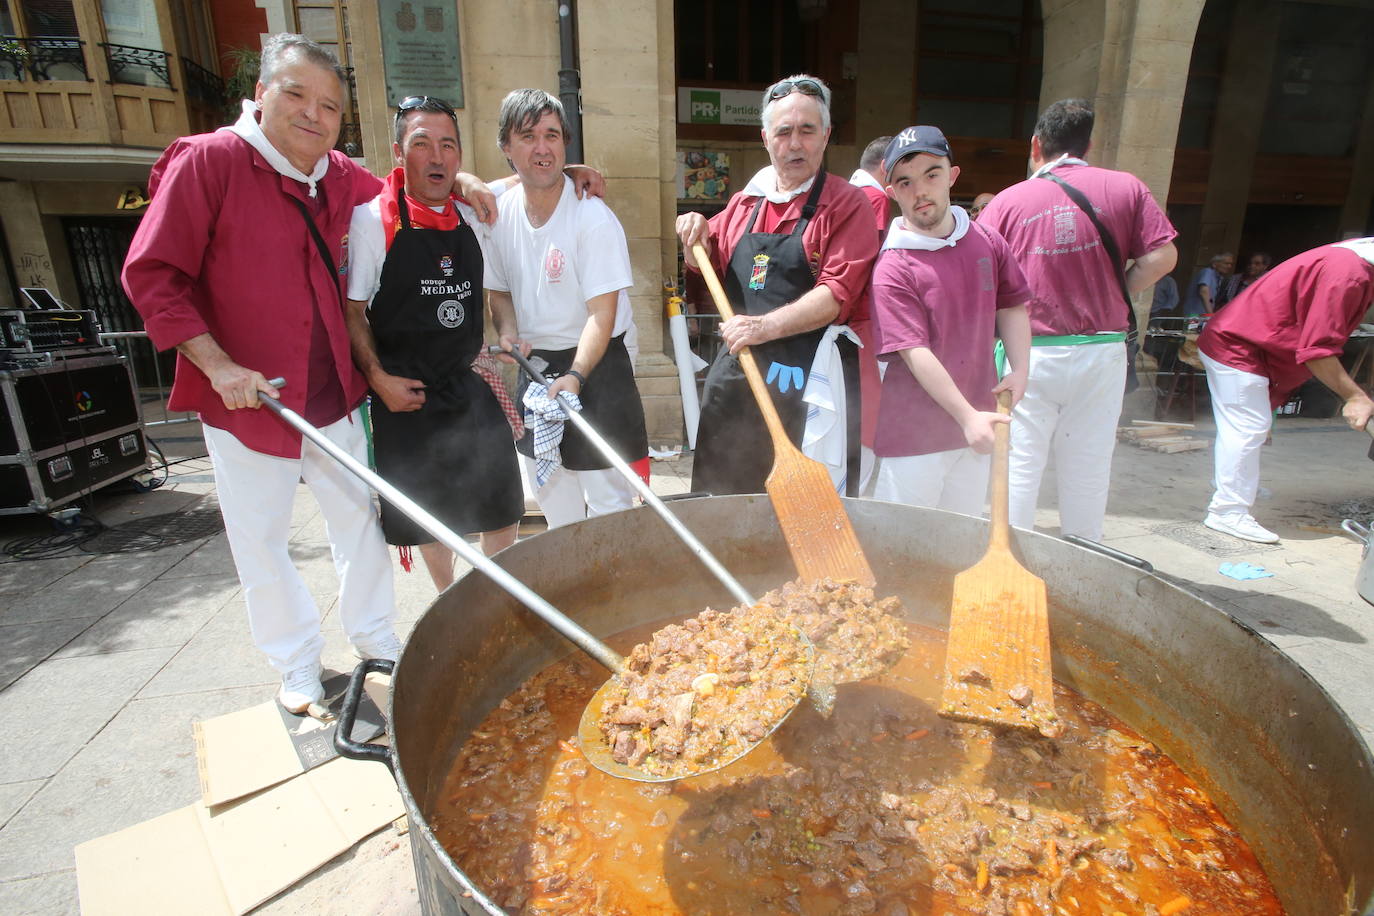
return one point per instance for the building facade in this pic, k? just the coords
(1253, 122)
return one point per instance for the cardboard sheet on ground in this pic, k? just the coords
(249, 750)
(231, 859)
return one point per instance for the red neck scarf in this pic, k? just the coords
(421, 216)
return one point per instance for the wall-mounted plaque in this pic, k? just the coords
(420, 50)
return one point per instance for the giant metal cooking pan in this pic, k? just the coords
(1280, 759)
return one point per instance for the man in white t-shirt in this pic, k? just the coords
(565, 266)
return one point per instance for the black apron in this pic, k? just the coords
(734, 452)
(610, 403)
(453, 456)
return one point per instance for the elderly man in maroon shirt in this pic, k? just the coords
(796, 248)
(238, 264)
(1290, 325)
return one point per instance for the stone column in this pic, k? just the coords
(886, 88)
(1236, 127)
(1355, 213)
(26, 232)
(1130, 58)
(623, 62)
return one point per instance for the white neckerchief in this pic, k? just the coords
(765, 184)
(898, 236)
(1064, 159)
(1362, 247)
(249, 129)
(862, 179)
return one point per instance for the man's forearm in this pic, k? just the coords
(936, 380)
(1332, 374)
(1150, 267)
(596, 333)
(1013, 326)
(360, 339)
(205, 353)
(503, 319)
(816, 309)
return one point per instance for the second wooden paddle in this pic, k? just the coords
(997, 663)
(818, 532)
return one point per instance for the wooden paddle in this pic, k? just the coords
(819, 535)
(997, 663)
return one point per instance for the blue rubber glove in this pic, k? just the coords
(787, 377)
(1244, 571)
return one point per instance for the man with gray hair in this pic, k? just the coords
(796, 247)
(1207, 284)
(563, 265)
(238, 265)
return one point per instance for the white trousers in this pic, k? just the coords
(1240, 406)
(572, 496)
(1070, 411)
(956, 480)
(256, 492)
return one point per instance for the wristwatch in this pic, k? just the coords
(581, 379)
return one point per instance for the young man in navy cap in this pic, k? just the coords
(943, 291)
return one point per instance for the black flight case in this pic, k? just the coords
(66, 429)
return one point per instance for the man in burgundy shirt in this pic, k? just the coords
(794, 250)
(1078, 313)
(871, 179)
(943, 291)
(1289, 325)
(238, 264)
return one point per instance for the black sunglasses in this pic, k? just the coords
(787, 87)
(426, 102)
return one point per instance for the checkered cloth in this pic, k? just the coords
(545, 418)
(489, 369)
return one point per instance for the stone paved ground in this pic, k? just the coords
(106, 660)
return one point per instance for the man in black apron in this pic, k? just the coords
(439, 434)
(797, 246)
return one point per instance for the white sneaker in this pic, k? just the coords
(300, 687)
(1241, 526)
(386, 646)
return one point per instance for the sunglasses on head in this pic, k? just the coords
(423, 101)
(787, 87)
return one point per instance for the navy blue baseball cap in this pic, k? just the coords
(919, 139)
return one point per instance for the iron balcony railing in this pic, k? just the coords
(42, 58)
(203, 85)
(138, 66)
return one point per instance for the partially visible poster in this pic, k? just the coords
(703, 175)
(420, 51)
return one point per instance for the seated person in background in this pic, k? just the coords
(943, 290)
(1201, 295)
(1235, 284)
(1165, 301)
(979, 202)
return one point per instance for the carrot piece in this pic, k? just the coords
(569, 747)
(1177, 905)
(982, 874)
(881, 736)
(918, 734)
(1023, 909)
(951, 867)
(1043, 785)
(761, 812)
(1052, 857)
